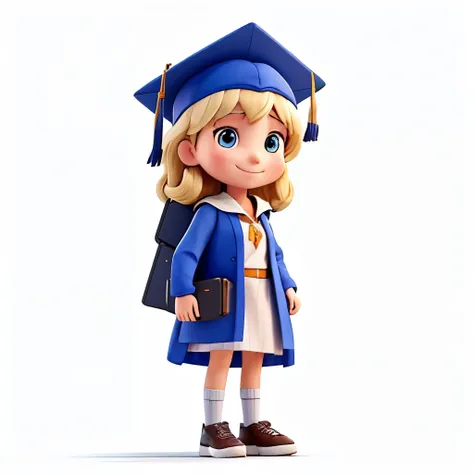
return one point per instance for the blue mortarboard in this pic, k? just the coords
(248, 58)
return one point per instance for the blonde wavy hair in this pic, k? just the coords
(189, 184)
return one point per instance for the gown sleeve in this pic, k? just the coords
(189, 250)
(286, 279)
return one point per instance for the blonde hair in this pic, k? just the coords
(189, 184)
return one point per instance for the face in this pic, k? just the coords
(239, 153)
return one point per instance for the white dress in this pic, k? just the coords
(261, 325)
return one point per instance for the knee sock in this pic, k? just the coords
(250, 405)
(213, 403)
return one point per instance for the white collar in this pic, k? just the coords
(227, 203)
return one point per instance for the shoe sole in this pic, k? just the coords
(232, 452)
(281, 450)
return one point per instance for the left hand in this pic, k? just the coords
(294, 303)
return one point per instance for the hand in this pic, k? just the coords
(294, 302)
(186, 308)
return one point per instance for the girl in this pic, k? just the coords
(235, 128)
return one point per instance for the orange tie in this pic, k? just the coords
(255, 236)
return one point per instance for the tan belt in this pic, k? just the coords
(256, 273)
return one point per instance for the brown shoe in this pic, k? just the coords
(218, 441)
(261, 439)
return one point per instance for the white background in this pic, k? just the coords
(379, 239)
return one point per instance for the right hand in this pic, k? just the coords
(186, 308)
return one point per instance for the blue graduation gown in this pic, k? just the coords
(213, 246)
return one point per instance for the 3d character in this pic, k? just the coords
(235, 127)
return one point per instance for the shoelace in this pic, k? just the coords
(223, 431)
(265, 428)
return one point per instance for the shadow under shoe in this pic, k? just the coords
(261, 439)
(218, 441)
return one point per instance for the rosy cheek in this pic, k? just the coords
(281, 167)
(277, 163)
(218, 160)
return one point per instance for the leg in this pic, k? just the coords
(251, 369)
(258, 436)
(219, 363)
(214, 386)
(216, 438)
(250, 386)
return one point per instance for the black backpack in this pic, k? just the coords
(174, 223)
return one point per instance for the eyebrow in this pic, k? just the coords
(276, 118)
(240, 113)
(232, 113)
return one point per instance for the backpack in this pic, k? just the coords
(174, 223)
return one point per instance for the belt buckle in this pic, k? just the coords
(258, 272)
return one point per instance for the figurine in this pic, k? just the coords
(235, 127)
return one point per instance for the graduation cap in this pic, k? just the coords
(247, 58)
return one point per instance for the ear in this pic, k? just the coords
(187, 153)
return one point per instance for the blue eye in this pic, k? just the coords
(272, 143)
(226, 137)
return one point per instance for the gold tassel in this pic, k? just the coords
(161, 94)
(157, 152)
(312, 109)
(312, 128)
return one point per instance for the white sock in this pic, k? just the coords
(250, 405)
(213, 403)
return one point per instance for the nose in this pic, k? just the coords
(254, 159)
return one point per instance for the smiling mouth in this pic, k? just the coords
(247, 171)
